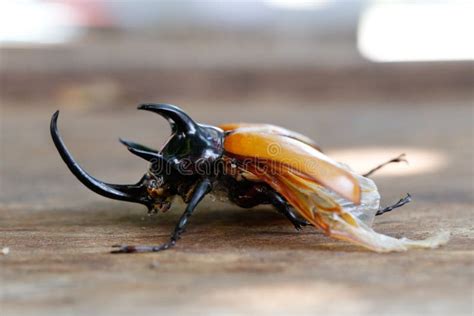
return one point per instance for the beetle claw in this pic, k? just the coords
(133, 249)
(123, 249)
(400, 203)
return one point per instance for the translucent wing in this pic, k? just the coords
(327, 194)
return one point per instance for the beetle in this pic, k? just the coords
(250, 165)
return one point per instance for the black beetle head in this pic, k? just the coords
(189, 155)
(192, 145)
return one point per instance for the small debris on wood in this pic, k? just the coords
(5, 251)
(155, 264)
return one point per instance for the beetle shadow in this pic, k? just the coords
(216, 228)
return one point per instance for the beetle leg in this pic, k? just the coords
(282, 206)
(403, 201)
(397, 159)
(201, 190)
(257, 194)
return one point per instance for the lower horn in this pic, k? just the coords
(131, 193)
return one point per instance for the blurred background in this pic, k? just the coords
(113, 54)
(368, 80)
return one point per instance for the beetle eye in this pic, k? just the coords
(152, 184)
(155, 187)
(155, 183)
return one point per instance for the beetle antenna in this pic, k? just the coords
(397, 159)
(400, 203)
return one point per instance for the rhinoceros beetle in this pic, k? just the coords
(250, 164)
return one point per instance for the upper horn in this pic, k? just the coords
(180, 121)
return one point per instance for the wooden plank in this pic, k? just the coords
(230, 261)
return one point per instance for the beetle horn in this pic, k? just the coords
(180, 121)
(141, 151)
(159, 163)
(131, 193)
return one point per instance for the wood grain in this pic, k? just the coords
(230, 261)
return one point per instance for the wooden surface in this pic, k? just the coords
(232, 261)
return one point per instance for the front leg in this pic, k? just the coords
(202, 188)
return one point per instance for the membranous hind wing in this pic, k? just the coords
(324, 192)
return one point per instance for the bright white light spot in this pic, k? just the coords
(36, 22)
(297, 4)
(417, 31)
(362, 160)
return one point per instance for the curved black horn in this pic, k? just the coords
(121, 192)
(141, 151)
(159, 163)
(180, 121)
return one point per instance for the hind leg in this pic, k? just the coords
(249, 194)
(282, 206)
